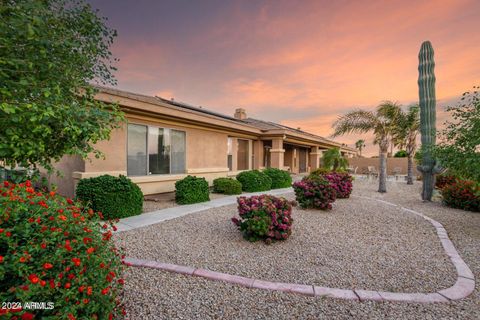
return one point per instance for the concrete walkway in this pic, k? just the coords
(153, 217)
(463, 287)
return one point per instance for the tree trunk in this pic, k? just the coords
(382, 178)
(410, 169)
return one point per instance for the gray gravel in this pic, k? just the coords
(359, 244)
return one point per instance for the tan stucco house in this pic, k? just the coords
(164, 140)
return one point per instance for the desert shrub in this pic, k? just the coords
(443, 180)
(53, 251)
(264, 218)
(315, 192)
(462, 194)
(227, 186)
(280, 178)
(341, 182)
(400, 154)
(254, 180)
(320, 172)
(191, 189)
(114, 197)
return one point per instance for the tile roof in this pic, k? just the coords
(260, 124)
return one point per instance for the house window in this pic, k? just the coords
(242, 154)
(153, 150)
(230, 154)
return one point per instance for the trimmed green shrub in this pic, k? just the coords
(462, 194)
(227, 186)
(254, 180)
(53, 251)
(191, 189)
(280, 178)
(400, 154)
(114, 197)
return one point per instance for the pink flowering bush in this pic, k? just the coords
(264, 218)
(341, 182)
(315, 192)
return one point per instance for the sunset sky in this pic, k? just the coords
(300, 63)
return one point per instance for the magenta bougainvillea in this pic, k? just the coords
(315, 192)
(264, 218)
(341, 182)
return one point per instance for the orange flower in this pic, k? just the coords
(67, 285)
(90, 250)
(27, 316)
(89, 291)
(33, 278)
(23, 259)
(48, 266)
(62, 217)
(76, 261)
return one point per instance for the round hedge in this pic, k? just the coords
(191, 189)
(254, 181)
(280, 178)
(114, 197)
(227, 186)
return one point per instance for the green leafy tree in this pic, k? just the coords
(50, 51)
(459, 146)
(360, 144)
(332, 159)
(381, 122)
(404, 136)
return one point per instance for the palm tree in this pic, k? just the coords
(360, 144)
(381, 122)
(405, 135)
(333, 160)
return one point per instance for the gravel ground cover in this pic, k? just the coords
(159, 202)
(360, 244)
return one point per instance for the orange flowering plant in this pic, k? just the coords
(53, 251)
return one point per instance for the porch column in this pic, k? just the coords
(234, 153)
(315, 155)
(277, 153)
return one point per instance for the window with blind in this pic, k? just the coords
(154, 150)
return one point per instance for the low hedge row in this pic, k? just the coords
(227, 186)
(114, 197)
(191, 189)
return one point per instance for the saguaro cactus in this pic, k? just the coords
(426, 89)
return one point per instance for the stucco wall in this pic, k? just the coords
(66, 183)
(206, 156)
(392, 163)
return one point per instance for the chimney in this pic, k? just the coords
(240, 114)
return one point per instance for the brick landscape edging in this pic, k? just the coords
(464, 286)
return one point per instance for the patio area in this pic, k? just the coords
(360, 244)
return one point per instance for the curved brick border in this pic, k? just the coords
(464, 286)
